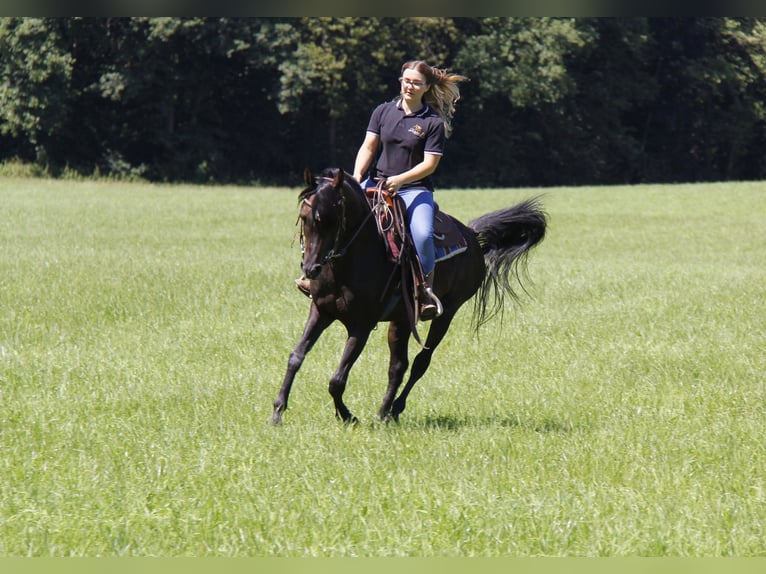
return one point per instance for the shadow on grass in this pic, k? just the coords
(456, 423)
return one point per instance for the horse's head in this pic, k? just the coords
(322, 218)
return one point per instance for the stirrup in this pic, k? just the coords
(431, 309)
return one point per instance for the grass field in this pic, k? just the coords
(144, 332)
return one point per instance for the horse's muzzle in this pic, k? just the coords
(312, 271)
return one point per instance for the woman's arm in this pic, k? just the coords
(365, 155)
(420, 171)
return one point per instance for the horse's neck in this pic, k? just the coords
(357, 212)
(361, 232)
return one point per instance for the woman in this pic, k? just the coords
(411, 131)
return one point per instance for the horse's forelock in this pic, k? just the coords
(306, 193)
(326, 178)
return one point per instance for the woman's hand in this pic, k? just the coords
(393, 184)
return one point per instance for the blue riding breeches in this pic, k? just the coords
(419, 202)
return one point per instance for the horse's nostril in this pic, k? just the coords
(312, 272)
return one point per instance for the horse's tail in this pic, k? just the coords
(506, 237)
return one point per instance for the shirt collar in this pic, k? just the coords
(419, 114)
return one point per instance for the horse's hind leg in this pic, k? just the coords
(315, 325)
(422, 360)
(357, 338)
(398, 339)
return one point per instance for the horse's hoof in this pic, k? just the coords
(349, 421)
(346, 417)
(388, 418)
(276, 418)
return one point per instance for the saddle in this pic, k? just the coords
(392, 227)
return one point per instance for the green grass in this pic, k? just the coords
(144, 333)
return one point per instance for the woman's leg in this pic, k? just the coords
(420, 215)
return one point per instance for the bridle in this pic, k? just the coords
(337, 251)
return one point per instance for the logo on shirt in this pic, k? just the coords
(418, 131)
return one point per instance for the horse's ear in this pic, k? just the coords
(308, 176)
(338, 181)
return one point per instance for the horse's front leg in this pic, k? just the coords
(398, 340)
(315, 325)
(357, 338)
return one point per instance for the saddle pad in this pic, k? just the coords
(448, 241)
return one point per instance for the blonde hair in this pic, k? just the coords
(443, 93)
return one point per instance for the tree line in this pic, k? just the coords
(551, 101)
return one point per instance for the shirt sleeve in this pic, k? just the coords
(435, 139)
(376, 120)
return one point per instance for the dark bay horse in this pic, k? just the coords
(350, 272)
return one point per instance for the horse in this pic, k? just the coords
(350, 273)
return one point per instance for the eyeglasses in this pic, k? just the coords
(414, 83)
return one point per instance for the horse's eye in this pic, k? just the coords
(317, 218)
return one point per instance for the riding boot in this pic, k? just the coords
(304, 286)
(430, 306)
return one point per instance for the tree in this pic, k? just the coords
(520, 77)
(35, 71)
(166, 87)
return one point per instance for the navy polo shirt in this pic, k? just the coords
(405, 139)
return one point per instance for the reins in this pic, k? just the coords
(338, 253)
